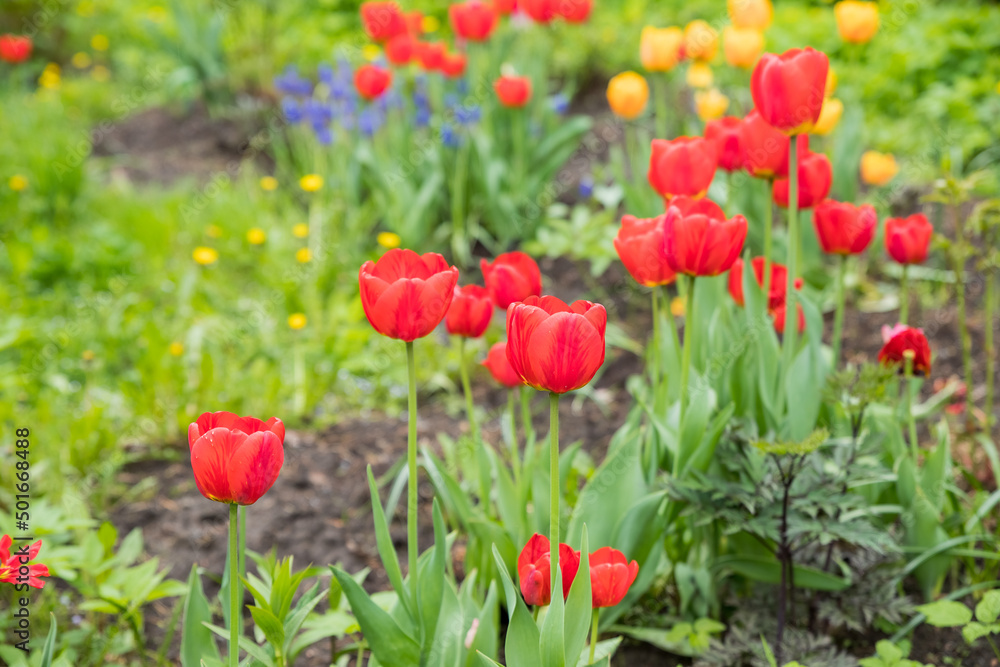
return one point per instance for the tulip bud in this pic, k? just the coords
(710, 104)
(857, 21)
(878, 168)
(701, 41)
(742, 46)
(660, 48)
(628, 93)
(754, 14)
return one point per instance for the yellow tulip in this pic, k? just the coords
(303, 255)
(256, 236)
(830, 115)
(701, 41)
(878, 168)
(751, 13)
(297, 321)
(831, 83)
(205, 255)
(628, 93)
(389, 240)
(660, 48)
(710, 104)
(311, 182)
(742, 46)
(699, 75)
(678, 306)
(857, 21)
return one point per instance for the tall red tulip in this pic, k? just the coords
(553, 346)
(406, 295)
(534, 570)
(15, 48)
(513, 91)
(453, 65)
(513, 276)
(371, 81)
(499, 366)
(383, 20)
(727, 134)
(779, 281)
(540, 11)
(815, 179)
(473, 20)
(843, 228)
(640, 246)
(235, 459)
(765, 149)
(683, 166)
(779, 310)
(702, 243)
(907, 240)
(401, 49)
(788, 90)
(11, 564)
(470, 312)
(574, 11)
(431, 55)
(907, 339)
(611, 575)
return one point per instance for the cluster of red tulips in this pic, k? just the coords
(611, 574)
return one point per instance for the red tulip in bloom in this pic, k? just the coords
(406, 295)
(611, 575)
(726, 133)
(843, 228)
(788, 90)
(765, 149)
(235, 459)
(14, 48)
(383, 20)
(431, 55)
(702, 242)
(513, 276)
(574, 11)
(414, 22)
(453, 65)
(11, 564)
(907, 340)
(555, 347)
(513, 91)
(470, 312)
(778, 287)
(778, 311)
(371, 81)
(682, 166)
(505, 7)
(534, 570)
(540, 11)
(640, 246)
(499, 366)
(908, 239)
(401, 49)
(473, 20)
(815, 179)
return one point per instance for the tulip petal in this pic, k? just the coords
(210, 460)
(567, 350)
(254, 467)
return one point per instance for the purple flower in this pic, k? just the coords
(369, 121)
(291, 109)
(324, 135)
(559, 103)
(586, 187)
(449, 137)
(290, 82)
(467, 115)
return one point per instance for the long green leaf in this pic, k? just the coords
(768, 570)
(197, 641)
(392, 646)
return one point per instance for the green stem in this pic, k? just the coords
(526, 421)
(411, 460)
(470, 409)
(904, 295)
(729, 193)
(631, 150)
(515, 449)
(593, 634)
(554, 492)
(908, 394)
(963, 325)
(768, 227)
(660, 96)
(791, 259)
(518, 130)
(656, 357)
(234, 588)
(461, 241)
(838, 318)
(671, 320)
(688, 344)
(990, 298)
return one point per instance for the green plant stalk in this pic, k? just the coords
(990, 298)
(908, 395)
(234, 589)
(518, 130)
(768, 242)
(526, 421)
(838, 317)
(729, 192)
(243, 561)
(656, 357)
(515, 449)
(461, 240)
(689, 320)
(963, 324)
(791, 309)
(631, 150)
(904, 295)
(671, 320)
(554, 491)
(470, 409)
(593, 634)
(411, 462)
(660, 96)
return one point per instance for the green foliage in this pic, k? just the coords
(953, 614)
(888, 654)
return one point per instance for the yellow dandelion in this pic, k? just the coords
(303, 255)
(268, 183)
(205, 255)
(100, 73)
(88, 355)
(17, 183)
(213, 231)
(430, 24)
(389, 240)
(99, 42)
(370, 52)
(256, 236)
(296, 321)
(81, 60)
(311, 182)
(300, 231)
(176, 348)
(678, 306)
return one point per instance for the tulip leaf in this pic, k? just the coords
(522, 646)
(388, 642)
(767, 570)
(602, 653)
(432, 578)
(805, 377)
(510, 507)
(553, 646)
(196, 640)
(48, 649)
(579, 605)
(485, 640)
(449, 636)
(385, 546)
(455, 500)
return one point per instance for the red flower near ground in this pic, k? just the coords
(553, 346)
(406, 295)
(815, 179)
(453, 65)
(473, 20)
(534, 570)
(778, 287)
(513, 276)
(470, 312)
(15, 48)
(431, 55)
(727, 134)
(401, 49)
(513, 91)
(235, 459)
(907, 340)
(682, 166)
(383, 20)
(499, 366)
(907, 240)
(11, 564)
(788, 90)
(843, 228)
(611, 575)
(702, 242)
(371, 81)
(540, 11)
(778, 312)
(640, 246)
(574, 11)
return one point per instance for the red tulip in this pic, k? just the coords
(682, 166)
(907, 340)
(473, 20)
(611, 575)
(788, 90)
(14, 48)
(470, 312)
(513, 91)
(815, 179)
(907, 240)
(406, 295)
(499, 366)
(778, 311)
(11, 564)
(540, 11)
(505, 7)
(383, 20)
(453, 65)
(513, 276)
(534, 570)
(702, 243)
(235, 459)
(401, 49)
(414, 22)
(778, 287)
(726, 133)
(843, 228)
(555, 347)
(371, 81)
(431, 55)
(640, 246)
(765, 149)
(691, 206)
(574, 11)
